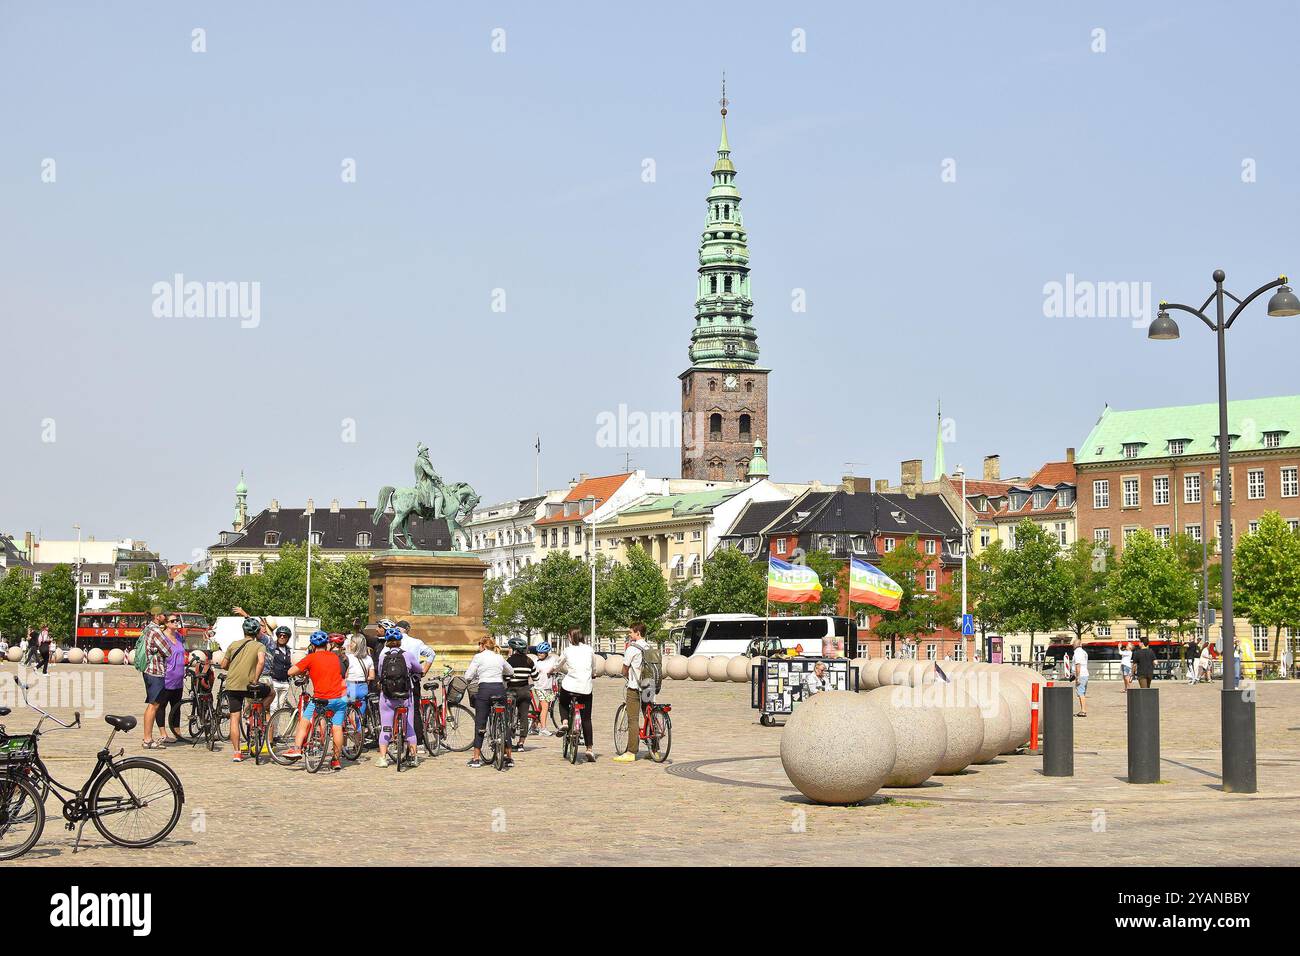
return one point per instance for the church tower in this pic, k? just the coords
(241, 505)
(724, 392)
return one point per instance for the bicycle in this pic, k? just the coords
(447, 722)
(320, 739)
(136, 790)
(283, 725)
(199, 724)
(498, 734)
(397, 737)
(354, 733)
(253, 726)
(656, 729)
(573, 739)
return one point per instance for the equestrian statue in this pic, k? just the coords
(430, 499)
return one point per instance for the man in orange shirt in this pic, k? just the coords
(322, 666)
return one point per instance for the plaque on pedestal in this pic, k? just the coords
(439, 592)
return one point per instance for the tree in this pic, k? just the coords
(730, 584)
(224, 591)
(144, 592)
(15, 604)
(555, 596)
(1150, 584)
(1087, 566)
(1034, 582)
(985, 595)
(1266, 576)
(920, 612)
(344, 593)
(636, 592)
(54, 602)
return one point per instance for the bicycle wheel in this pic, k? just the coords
(370, 724)
(136, 802)
(489, 748)
(22, 817)
(397, 739)
(255, 741)
(553, 714)
(620, 729)
(432, 729)
(317, 745)
(661, 736)
(458, 734)
(223, 716)
(195, 722)
(279, 733)
(498, 724)
(353, 736)
(575, 743)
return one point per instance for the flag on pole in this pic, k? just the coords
(792, 583)
(869, 585)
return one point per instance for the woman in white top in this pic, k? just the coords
(1126, 664)
(576, 666)
(490, 669)
(361, 671)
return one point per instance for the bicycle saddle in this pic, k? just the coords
(121, 722)
(5, 711)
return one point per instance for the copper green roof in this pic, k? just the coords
(1152, 429)
(696, 502)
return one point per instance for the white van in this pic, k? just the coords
(744, 635)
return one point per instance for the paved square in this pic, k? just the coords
(722, 798)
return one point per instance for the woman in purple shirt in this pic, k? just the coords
(173, 681)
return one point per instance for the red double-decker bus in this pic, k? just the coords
(121, 629)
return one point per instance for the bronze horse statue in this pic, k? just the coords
(453, 503)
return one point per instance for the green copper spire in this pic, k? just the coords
(757, 464)
(724, 335)
(938, 446)
(241, 504)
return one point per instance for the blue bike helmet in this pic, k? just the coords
(319, 639)
(393, 634)
(544, 647)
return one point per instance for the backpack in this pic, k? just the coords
(395, 675)
(140, 656)
(652, 669)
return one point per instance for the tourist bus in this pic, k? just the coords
(121, 629)
(1103, 657)
(735, 635)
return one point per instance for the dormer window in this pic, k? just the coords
(1273, 439)
(317, 537)
(826, 542)
(363, 539)
(1066, 497)
(1132, 449)
(272, 539)
(861, 544)
(981, 505)
(1177, 446)
(899, 517)
(1041, 498)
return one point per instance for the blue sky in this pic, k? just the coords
(521, 170)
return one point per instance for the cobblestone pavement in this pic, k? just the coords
(722, 797)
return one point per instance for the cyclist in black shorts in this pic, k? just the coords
(520, 684)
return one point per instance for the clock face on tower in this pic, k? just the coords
(730, 383)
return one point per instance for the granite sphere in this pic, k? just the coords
(675, 666)
(718, 668)
(697, 668)
(920, 736)
(837, 747)
(738, 669)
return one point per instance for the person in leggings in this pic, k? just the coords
(576, 666)
(390, 698)
(491, 670)
(169, 702)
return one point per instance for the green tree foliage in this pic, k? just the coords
(1150, 584)
(730, 584)
(15, 604)
(985, 595)
(1266, 576)
(555, 596)
(343, 595)
(144, 592)
(54, 602)
(636, 592)
(224, 591)
(1087, 566)
(920, 612)
(1035, 584)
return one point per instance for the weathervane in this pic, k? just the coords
(724, 101)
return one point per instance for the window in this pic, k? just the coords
(1259, 634)
(1103, 630)
(36, 578)
(1066, 496)
(1293, 524)
(1160, 490)
(715, 427)
(596, 542)
(889, 545)
(931, 652)
(984, 538)
(1129, 532)
(959, 652)
(564, 537)
(1272, 439)
(1218, 487)
(271, 539)
(577, 535)
(555, 537)
(1101, 493)
(103, 577)
(1193, 531)
(1041, 498)
(1252, 527)
(317, 537)
(931, 546)
(679, 536)
(861, 544)
(1061, 534)
(1101, 535)
(1177, 446)
(245, 568)
(695, 566)
(1132, 494)
(1132, 633)
(780, 545)
(744, 428)
(1192, 489)
(1014, 654)
(695, 535)
(826, 542)
(931, 579)
(1255, 484)
(85, 577)
(1290, 482)
(749, 545)
(363, 539)
(1161, 532)
(1132, 449)
(713, 284)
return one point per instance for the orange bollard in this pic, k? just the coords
(1033, 718)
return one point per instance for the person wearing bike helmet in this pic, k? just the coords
(245, 660)
(491, 670)
(398, 671)
(544, 684)
(425, 655)
(322, 666)
(279, 658)
(519, 684)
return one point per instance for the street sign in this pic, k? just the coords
(967, 625)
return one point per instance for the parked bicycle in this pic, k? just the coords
(283, 724)
(499, 731)
(573, 748)
(448, 723)
(320, 737)
(254, 727)
(397, 738)
(656, 730)
(134, 802)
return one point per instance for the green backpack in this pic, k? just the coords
(652, 667)
(140, 656)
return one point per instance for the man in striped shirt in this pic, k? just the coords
(520, 684)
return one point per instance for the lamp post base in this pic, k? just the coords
(1238, 728)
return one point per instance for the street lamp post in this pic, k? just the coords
(76, 587)
(311, 510)
(1238, 711)
(962, 471)
(591, 551)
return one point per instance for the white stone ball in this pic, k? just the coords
(697, 667)
(718, 668)
(117, 656)
(76, 655)
(870, 677)
(964, 735)
(597, 665)
(675, 667)
(96, 655)
(920, 737)
(613, 666)
(738, 669)
(997, 726)
(885, 676)
(1018, 708)
(14, 654)
(837, 748)
(858, 664)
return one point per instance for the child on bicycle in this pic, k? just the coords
(544, 684)
(322, 666)
(397, 669)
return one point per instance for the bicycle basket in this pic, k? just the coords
(18, 748)
(455, 689)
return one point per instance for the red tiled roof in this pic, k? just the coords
(1054, 473)
(599, 488)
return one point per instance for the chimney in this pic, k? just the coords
(992, 468)
(911, 477)
(27, 545)
(275, 506)
(334, 506)
(848, 485)
(882, 485)
(582, 476)
(1069, 455)
(361, 503)
(573, 483)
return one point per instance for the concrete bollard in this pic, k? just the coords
(1238, 729)
(1143, 735)
(1058, 731)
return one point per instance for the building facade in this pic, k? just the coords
(503, 534)
(724, 391)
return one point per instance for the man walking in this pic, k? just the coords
(1079, 663)
(43, 650)
(633, 665)
(1144, 662)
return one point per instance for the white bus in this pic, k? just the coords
(735, 635)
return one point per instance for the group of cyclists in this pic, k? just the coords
(385, 666)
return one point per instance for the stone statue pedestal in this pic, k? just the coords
(439, 592)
